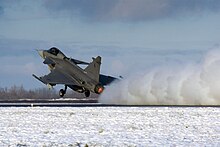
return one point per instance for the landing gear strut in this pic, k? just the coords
(87, 93)
(63, 91)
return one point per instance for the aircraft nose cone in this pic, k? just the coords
(41, 53)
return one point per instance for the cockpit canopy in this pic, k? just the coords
(55, 51)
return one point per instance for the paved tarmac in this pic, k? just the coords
(50, 103)
(79, 103)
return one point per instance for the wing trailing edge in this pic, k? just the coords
(55, 77)
(38, 78)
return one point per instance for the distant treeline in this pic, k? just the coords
(18, 92)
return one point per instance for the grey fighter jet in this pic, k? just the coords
(64, 70)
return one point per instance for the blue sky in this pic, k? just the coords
(130, 35)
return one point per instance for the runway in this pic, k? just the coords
(79, 103)
(51, 103)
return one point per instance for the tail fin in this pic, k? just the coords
(93, 69)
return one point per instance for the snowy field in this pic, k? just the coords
(110, 126)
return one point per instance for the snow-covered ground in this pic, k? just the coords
(110, 126)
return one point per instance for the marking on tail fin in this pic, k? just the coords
(93, 69)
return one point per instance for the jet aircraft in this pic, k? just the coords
(66, 71)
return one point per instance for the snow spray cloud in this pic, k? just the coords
(194, 84)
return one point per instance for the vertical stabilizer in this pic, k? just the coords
(93, 69)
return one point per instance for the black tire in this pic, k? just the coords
(62, 92)
(87, 93)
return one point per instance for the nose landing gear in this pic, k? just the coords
(62, 92)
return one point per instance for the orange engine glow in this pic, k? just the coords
(100, 90)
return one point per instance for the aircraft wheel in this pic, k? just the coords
(87, 93)
(62, 92)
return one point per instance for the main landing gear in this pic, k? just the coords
(87, 93)
(63, 91)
